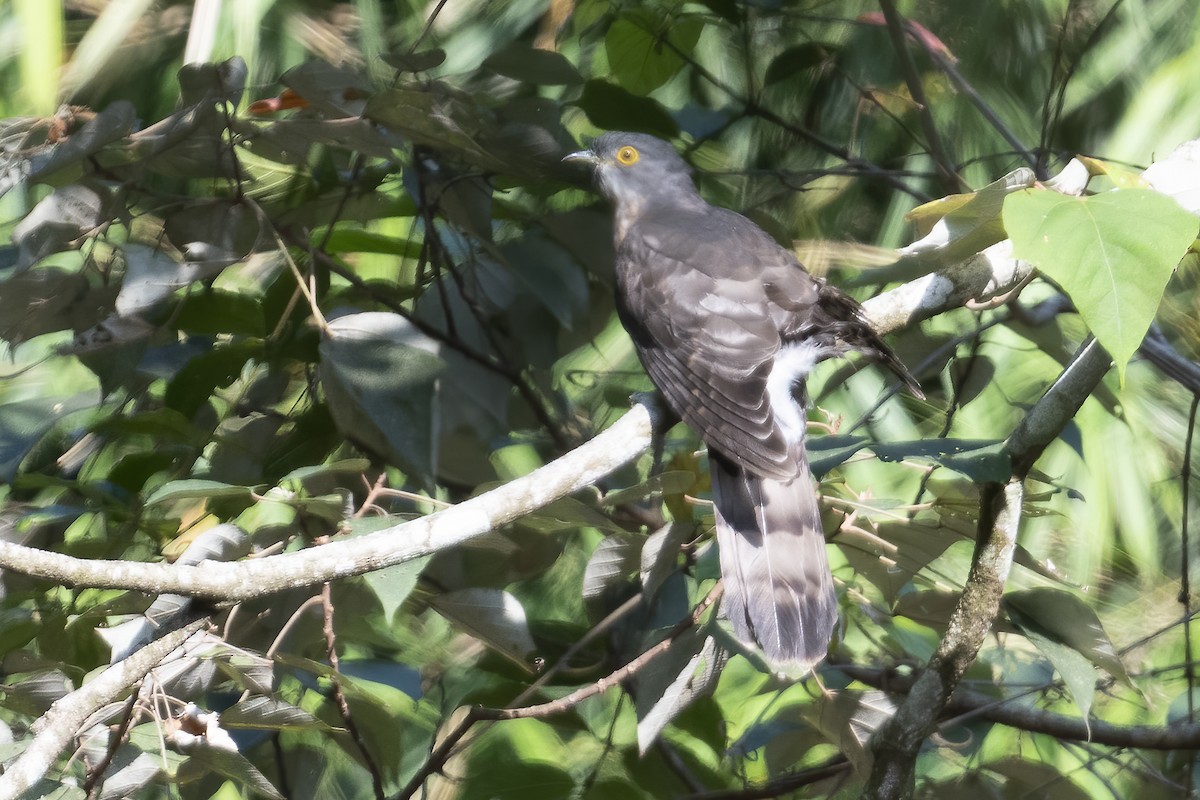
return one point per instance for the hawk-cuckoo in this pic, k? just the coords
(728, 323)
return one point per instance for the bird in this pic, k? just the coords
(728, 324)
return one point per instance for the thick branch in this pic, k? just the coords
(58, 726)
(991, 272)
(987, 274)
(1176, 736)
(608, 451)
(897, 742)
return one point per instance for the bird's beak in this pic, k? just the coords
(581, 156)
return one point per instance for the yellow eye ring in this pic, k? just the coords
(627, 155)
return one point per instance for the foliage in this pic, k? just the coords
(256, 318)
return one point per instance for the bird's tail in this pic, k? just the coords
(778, 591)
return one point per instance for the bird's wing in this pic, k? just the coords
(693, 294)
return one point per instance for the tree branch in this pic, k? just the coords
(896, 26)
(991, 272)
(628, 438)
(1177, 736)
(897, 742)
(58, 726)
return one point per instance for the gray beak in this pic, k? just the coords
(582, 156)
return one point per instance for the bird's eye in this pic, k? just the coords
(627, 155)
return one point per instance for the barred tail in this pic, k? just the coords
(778, 590)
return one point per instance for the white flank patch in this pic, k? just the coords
(792, 364)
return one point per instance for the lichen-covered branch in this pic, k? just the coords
(58, 726)
(897, 742)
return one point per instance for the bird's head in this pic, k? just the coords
(635, 170)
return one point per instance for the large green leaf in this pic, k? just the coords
(1067, 619)
(644, 48)
(1071, 637)
(380, 374)
(1112, 253)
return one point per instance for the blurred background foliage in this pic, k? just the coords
(403, 158)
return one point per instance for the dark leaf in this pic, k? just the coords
(671, 683)
(232, 765)
(213, 83)
(189, 389)
(613, 560)
(334, 91)
(268, 713)
(24, 422)
(530, 65)
(1064, 618)
(848, 719)
(381, 375)
(795, 60)
(415, 62)
(610, 107)
(979, 460)
(58, 221)
(112, 124)
(646, 50)
(660, 554)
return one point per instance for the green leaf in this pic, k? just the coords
(216, 312)
(795, 60)
(268, 713)
(525, 759)
(1112, 253)
(346, 240)
(531, 65)
(392, 585)
(611, 107)
(195, 487)
(381, 374)
(644, 49)
(493, 616)
(954, 228)
(1065, 618)
(669, 482)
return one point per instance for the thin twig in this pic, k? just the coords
(448, 746)
(936, 148)
(339, 697)
(92, 783)
(609, 681)
(1185, 555)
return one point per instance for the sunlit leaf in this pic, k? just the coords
(689, 670)
(1112, 253)
(493, 616)
(644, 49)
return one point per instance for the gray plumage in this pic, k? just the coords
(727, 324)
